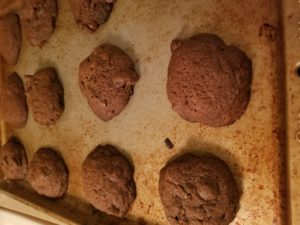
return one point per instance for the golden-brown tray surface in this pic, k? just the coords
(253, 146)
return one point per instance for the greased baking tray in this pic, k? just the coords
(254, 146)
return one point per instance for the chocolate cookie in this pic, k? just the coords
(13, 159)
(14, 106)
(38, 18)
(106, 79)
(198, 191)
(10, 38)
(208, 81)
(108, 180)
(48, 173)
(91, 14)
(45, 96)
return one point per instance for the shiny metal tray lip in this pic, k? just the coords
(289, 182)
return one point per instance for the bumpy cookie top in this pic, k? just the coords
(108, 180)
(48, 174)
(106, 79)
(13, 159)
(45, 96)
(208, 81)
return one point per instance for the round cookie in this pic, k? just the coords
(208, 81)
(198, 191)
(10, 38)
(91, 14)
(38, 20)
(45, 96)
(108, 180)
(106, 79)
(48, 173)
(13, 159)
(14, 106)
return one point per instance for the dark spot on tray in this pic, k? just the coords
(168, 143)
(268, 31)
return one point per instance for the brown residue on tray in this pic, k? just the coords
(268, 31)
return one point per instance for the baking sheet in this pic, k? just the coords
(253, 147)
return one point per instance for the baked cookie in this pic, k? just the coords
(106, 79)
(38, 19)
(10, 38)
(45, 96)
(108, 180)
(48, 173)
(13, 159)
(90, 14)
(208, 81)
(14, 106)
(198, 191)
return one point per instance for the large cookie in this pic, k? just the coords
(10, 38)
(14, 106)
(208, 81)
(45, 96)
(48, 174)
(106, 79)
(91, 14)
(38, 18)
(13, 159)
(108, 180)
(198, 191)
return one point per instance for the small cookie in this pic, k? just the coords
(106, 79)
(10, 38)
(48, 173)
(45, 96)
(13, 159)
(108, 180)
(209, 82)
(90, 14)
(38, 18)
(198, 191)
(14, 106)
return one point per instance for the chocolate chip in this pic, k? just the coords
(168, 143)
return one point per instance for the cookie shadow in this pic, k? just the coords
(198, 148)
(44, 63)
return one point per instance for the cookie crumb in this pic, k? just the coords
(168, 143)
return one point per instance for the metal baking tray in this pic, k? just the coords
(255, 147)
